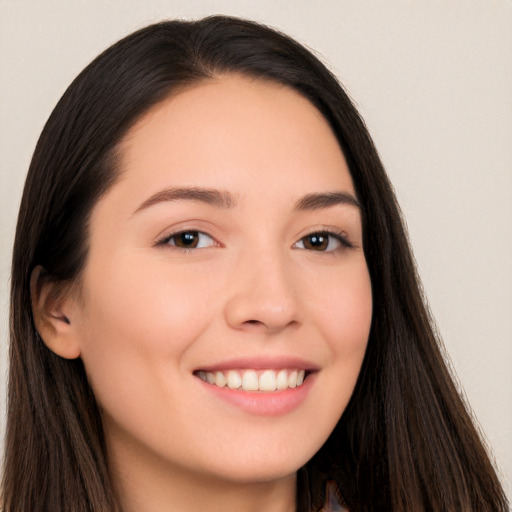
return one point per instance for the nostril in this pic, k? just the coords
(252, 324)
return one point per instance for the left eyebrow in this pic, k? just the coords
(318, 201)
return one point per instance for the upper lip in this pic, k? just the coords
(261, 363)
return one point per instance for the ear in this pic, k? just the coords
(53, 308)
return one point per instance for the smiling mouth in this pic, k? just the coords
(255, 380)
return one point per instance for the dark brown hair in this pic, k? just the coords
(405, 442)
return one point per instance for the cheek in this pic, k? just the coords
(139, 323)
(344, 310)
(339, 313)
(344, 313)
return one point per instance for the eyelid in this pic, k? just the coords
(333, 232)
(340, 235)
(164, 241)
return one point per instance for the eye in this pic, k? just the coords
(323, 241)
(189, 240)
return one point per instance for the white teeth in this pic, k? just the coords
(234, 380)
(220, 380)
(282, 380)
(250, 381)
(267, 381)
(292, 379)
(255, 380)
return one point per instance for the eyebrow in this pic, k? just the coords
(325, 200)
(214, 197)
(224, 199)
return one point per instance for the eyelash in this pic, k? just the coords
(339, 236)
(167, 239)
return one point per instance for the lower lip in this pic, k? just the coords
(261, 403)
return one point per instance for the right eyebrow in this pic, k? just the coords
(215, 197)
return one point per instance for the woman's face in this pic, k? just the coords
(225, 264)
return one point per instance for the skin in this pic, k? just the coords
(149, 314)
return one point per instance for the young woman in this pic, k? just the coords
(214, 305)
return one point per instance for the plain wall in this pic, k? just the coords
(433, 80)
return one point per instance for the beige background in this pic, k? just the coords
(433, 80)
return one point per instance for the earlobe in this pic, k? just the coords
(52, 306)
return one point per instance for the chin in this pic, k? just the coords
(259, 467)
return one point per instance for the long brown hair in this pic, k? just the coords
(405, 442)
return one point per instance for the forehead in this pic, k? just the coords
(231, 131)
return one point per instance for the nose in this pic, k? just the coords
(263, 296)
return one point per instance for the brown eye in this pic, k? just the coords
(316, 242)
(190, 240)
(323, 241)
(187, 240)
